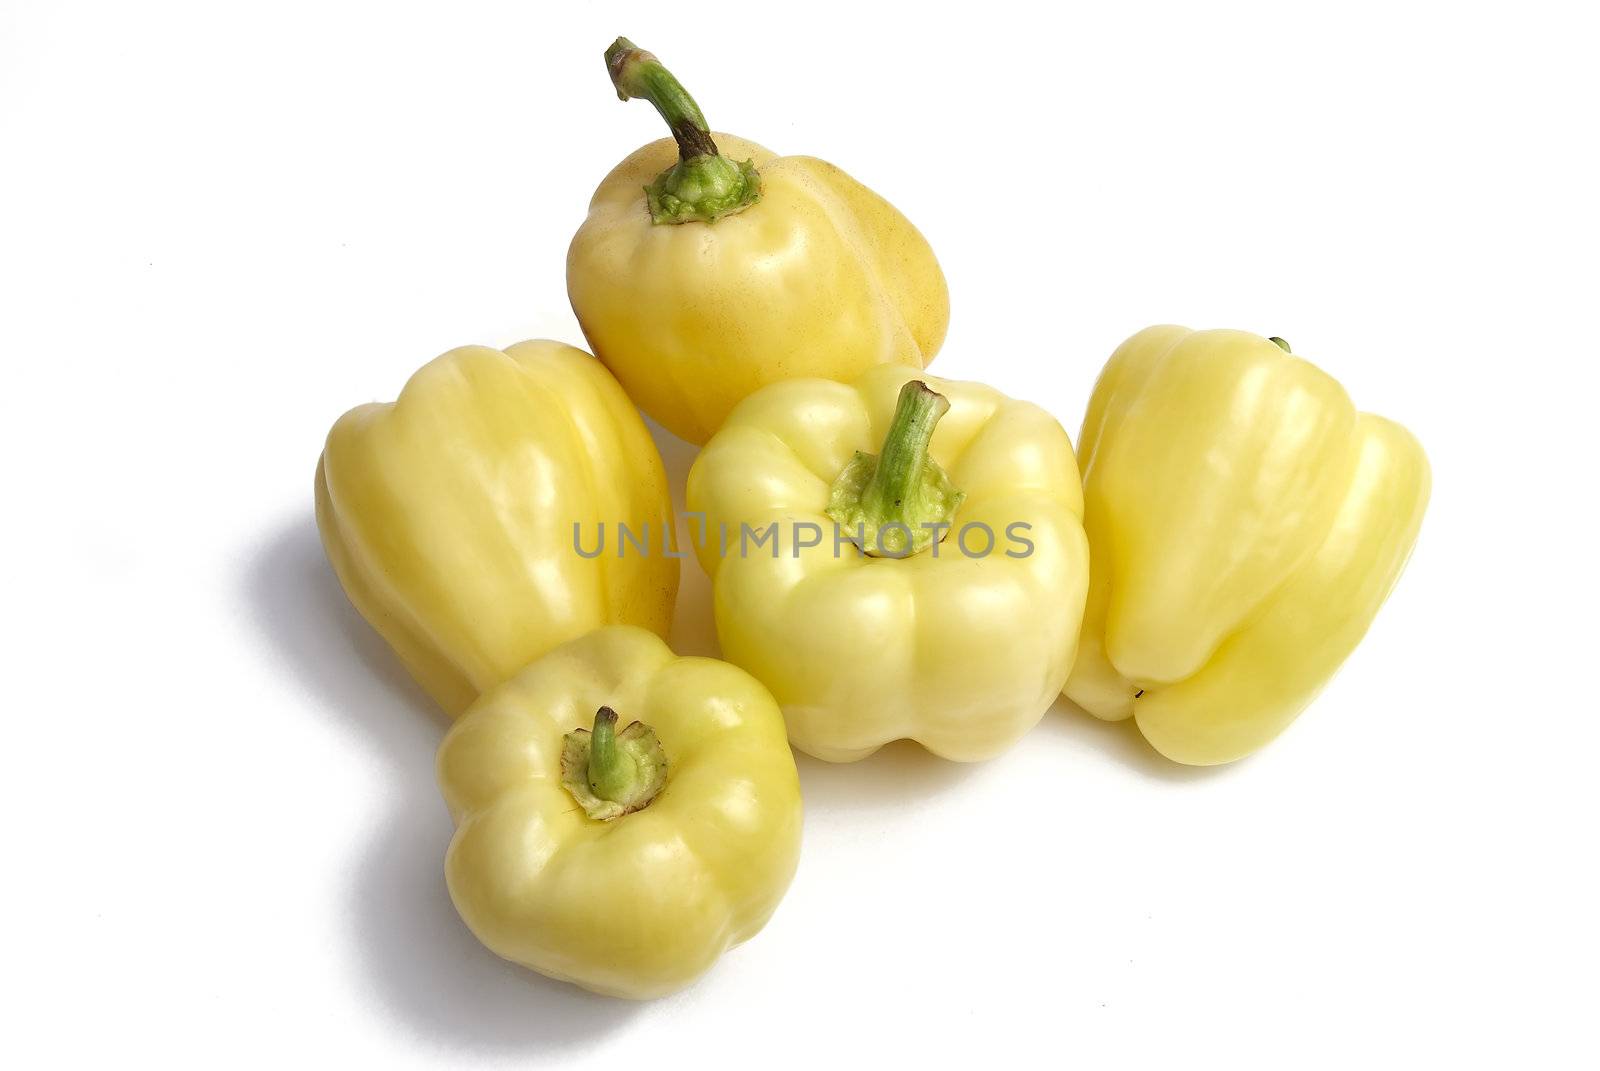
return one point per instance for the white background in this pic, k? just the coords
(223, 224)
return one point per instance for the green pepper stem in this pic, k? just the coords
(609, 773)
(704, 185)
(901, 501)
(905, 450)
(612, 773)
(638, 74)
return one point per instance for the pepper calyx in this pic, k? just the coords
(900, 501)
(609, 772)
(703, 186)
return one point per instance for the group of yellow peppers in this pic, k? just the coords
(625, 815)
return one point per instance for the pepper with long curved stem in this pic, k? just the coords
(703, 185)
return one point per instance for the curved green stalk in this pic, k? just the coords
(612, 773)
(703, 185)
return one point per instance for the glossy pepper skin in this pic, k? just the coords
(1245, 524)
(641, 904)
(784, 267)
(962, 654)
(448, 515)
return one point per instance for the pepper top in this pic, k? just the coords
(703, 186)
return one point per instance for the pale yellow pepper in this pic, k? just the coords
(626, 859)
(449, 514)
(1245, 524)
(959, 638)
(709, 267)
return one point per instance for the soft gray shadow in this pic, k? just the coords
(891, 777)
(694, 628)
(1071, 726)
(420, 958)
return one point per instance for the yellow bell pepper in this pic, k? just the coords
(449, 515)
(956, 628)
(698, 279)
(625, 860)
(1245, 524)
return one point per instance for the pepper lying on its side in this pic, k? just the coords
(1245, 524)
(448, 515)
